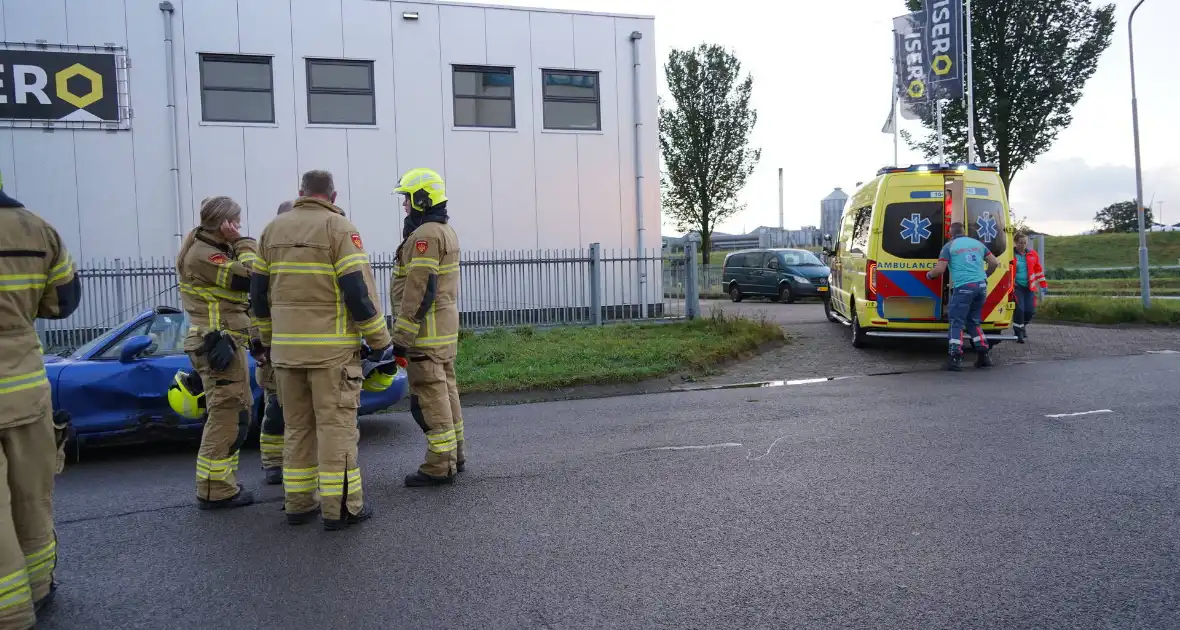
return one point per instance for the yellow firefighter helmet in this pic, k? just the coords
(424, 187)
(186, 395)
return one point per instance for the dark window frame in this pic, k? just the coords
(371, 92)
(862, 226)
(483, 70)
(243, 59)
(597, 100)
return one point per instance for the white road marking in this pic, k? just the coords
(754, 459)
(692, 448)
(1078, 413)
(1163, 352)
(805, 381)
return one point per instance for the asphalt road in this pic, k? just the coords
(928, 500)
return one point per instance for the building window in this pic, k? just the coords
(483, 97)
(237, 88)
(571, 100)
(340, 92)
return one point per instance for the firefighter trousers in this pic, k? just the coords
(228, 400)
(434, 404)
(320, 442)
(28, 543)
(270, 437)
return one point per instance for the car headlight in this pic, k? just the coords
(800, 279)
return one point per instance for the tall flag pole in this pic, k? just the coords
(970, 92)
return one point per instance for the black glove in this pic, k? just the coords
(219, 349)
(377, 355)
(260, 352)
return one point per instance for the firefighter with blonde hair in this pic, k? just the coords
(213, 269)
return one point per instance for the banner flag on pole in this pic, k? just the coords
(943, 30)
(910, 64)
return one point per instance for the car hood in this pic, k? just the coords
(53, 358)
(810, 272)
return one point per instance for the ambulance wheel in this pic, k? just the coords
(735, 293)
(859, 340)
(828, 310)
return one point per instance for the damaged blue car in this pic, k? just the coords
(115, 387)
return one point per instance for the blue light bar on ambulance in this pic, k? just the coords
(954, 167)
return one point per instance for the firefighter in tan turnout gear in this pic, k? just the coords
(36, 280)
(213, 268)
(270, 437)
(315, 298)
(424, 296)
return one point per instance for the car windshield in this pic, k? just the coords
(800, 258)
(167, 331)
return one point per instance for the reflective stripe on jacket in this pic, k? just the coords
(425, 292)
(313, 291)
(37, 280)
(1036, 274)
(214, 279)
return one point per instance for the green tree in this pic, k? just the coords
(705, 139)
(1031, 60)
(1121, 217)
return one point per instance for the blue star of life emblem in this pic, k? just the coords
(986, 227)
(915, 229)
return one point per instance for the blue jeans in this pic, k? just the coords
(1025, 307)
(966, 314)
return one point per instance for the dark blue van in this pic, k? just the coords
(779, 274)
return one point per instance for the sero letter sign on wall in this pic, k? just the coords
(58, 86)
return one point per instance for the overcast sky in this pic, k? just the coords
(822, 78)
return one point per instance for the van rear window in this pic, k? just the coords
(913, 230)
(985, 221)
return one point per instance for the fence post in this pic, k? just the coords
(596, 284)
(120, 302)
(692, 285)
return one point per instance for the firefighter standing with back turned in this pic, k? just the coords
(213, 268)
(315, 289)
(270, 437)
(37, 280)
(424, 296)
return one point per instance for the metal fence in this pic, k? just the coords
(497, 289)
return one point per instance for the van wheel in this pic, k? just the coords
(859, 340)
(784, 295)
(735, 294)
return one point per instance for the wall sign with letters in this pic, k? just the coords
(43, 85)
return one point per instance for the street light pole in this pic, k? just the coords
(1144, 272)
(970, 92)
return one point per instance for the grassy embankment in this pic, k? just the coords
(526, 358)
(1110, 250)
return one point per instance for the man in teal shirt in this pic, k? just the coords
(966, 256)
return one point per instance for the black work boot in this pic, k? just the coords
(1020, 334)
(39, 605)
(303, 518)
(955, 363)
(332, 525)
(460, 466)
(274, 475)
(983, 359)
(420, 480)
(241, 499)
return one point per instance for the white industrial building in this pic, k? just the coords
(530, 115)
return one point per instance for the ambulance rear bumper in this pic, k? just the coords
(933, 334)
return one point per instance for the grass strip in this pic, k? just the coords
(1110, 311)
(525, 358)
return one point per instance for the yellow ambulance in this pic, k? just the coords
(891, 233)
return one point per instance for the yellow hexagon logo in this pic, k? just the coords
(941, 65)
(79, 100)
(917, 89)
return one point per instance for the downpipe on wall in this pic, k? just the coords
(166, 10)
(636, 97)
